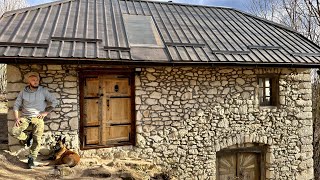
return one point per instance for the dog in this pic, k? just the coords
(63, 156)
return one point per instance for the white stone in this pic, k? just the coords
(240, 81)
(72, 114)
(64, 125)
(155, 95)
(12, 96)
(163, 101)
(151, 101)
(74, 123)
(239, 89)
(150, 77)
(15, 87)
(213, 91)
(225, 71)
(248, 72)
(54, 126)
(70, 90)
(157, 108)
(13, 74)
(47, 80)
(70, 78)
(245, 95)
(216, 84)
(69, 101)
(226, 91)
(156, 138)
(137, 81)
(153, 84)
(138, 100)
(53, 86)
(53, 115)
(54, 67)
(186, 96)
(193, 83)
(70, 84)
(141, 141)
(139, 116)
(150, 70)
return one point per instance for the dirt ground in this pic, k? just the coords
(16, 169)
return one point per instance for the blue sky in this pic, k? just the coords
(238, 4)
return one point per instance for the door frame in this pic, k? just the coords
(259, 149)
(87, 72)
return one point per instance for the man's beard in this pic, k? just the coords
(35, 87)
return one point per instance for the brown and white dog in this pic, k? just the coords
(63, 156)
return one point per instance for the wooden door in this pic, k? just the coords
(107, 110)
(117, 112)
(91, 113)
(239, 166)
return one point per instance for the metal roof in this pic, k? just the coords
(95, 31)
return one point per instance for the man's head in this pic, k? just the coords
(32, 79)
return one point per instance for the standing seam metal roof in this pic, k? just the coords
(95, 30)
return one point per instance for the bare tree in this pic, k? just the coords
(265, 9)
(301, 15)
(9, 5)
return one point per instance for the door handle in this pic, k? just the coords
(108, 104)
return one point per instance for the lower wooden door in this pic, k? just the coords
(239, 166)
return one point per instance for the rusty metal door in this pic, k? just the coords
(239, 166)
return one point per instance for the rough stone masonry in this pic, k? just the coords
(185, 115)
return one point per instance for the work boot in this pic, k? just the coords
(30, 163)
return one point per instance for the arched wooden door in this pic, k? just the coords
(240, 165)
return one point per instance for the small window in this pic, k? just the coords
(268, 91)
(142, 31)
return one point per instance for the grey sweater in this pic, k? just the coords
(34, 102)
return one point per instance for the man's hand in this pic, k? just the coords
(18, 122)
(42, 115)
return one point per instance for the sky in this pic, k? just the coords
(237, 4)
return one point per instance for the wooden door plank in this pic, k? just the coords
(248, 166)
(91, 87)
(115, 134)
(227, 166)
(92, 135)
(91, 112)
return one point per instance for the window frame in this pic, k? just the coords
(274, 90)
(83, 74)
(155, 32)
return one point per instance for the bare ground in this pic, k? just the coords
(13, 168)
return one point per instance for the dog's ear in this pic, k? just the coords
(58, 138)
(63, 140)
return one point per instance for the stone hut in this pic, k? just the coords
(205, 92)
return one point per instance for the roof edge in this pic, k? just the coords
(142, 63)
(277, 25)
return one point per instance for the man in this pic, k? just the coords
(33, 102)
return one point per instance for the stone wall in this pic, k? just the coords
(185, 115)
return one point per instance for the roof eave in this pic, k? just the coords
(142, 63)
